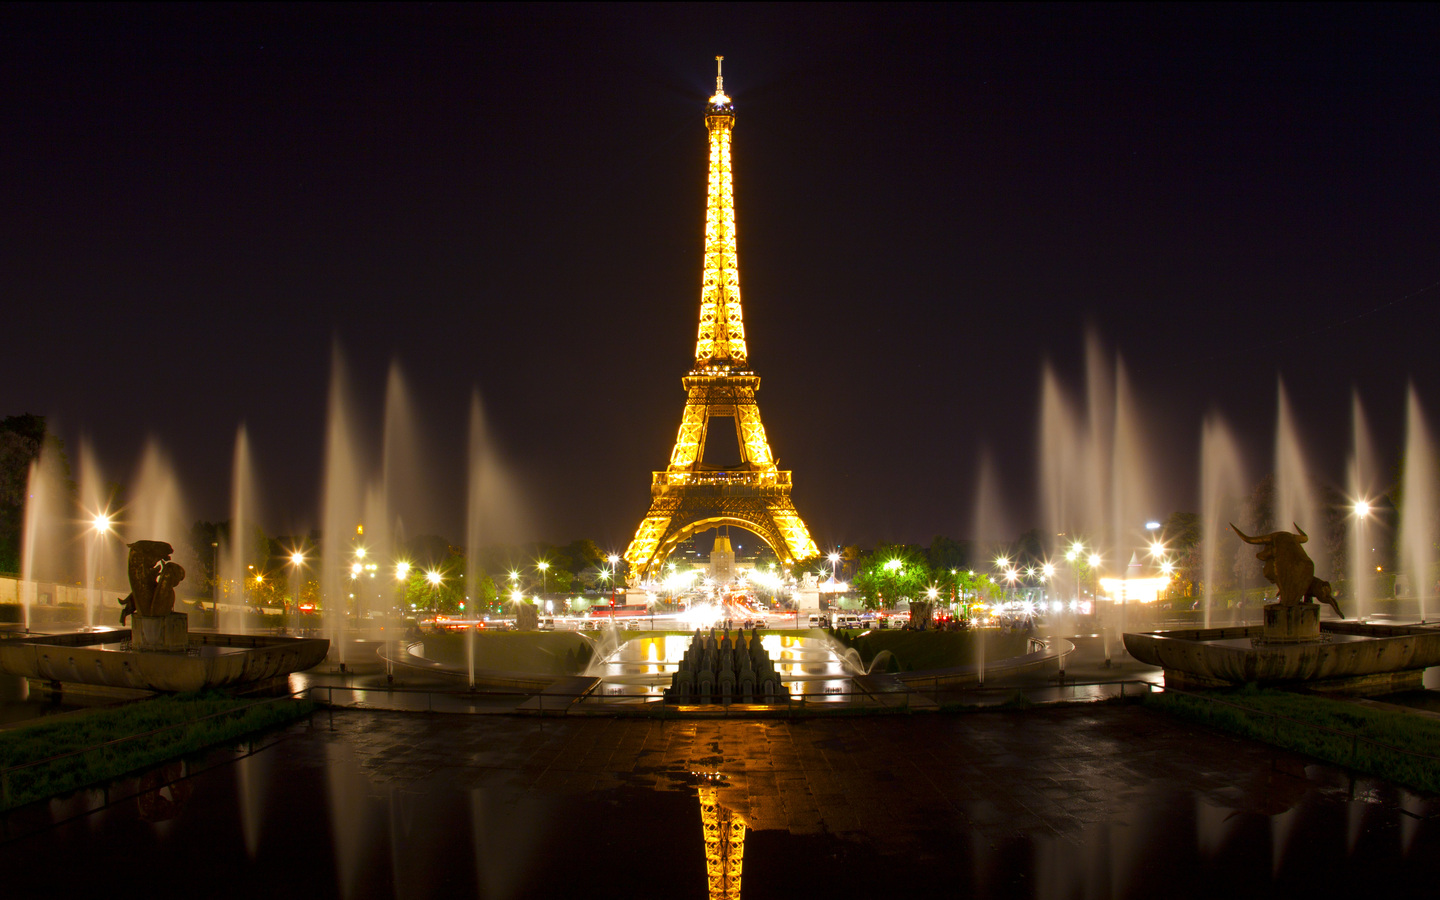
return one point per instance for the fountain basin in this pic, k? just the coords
(105, 659)
(1349, 657)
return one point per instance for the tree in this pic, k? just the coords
(946, 553)
(891, 573)
(1181, 531)
(21, 440)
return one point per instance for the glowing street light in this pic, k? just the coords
(544, 568)
(402, 571)
(1157, 549)
(101, 523)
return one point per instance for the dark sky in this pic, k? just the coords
(199, 202)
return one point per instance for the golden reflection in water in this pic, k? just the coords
(724, 832)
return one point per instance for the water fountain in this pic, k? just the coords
(340, 509)
(1293, 645)
(1417, 519)
(1361, 478)
(1294, 495)
(238, 549)
(725, 670)
(1221, 478)
(158, 653)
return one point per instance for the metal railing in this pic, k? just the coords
(561, 703)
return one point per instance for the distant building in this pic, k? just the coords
(722, 561)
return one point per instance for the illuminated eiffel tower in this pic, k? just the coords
(724, 832)
(690, 496)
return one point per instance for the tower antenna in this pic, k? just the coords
(719, 75)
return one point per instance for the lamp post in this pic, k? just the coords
(1361, 566)
(544, 568)
(101, 526)
(215, 573)
(434, 578)
(614, 561)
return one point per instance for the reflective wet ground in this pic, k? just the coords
(1069, 802)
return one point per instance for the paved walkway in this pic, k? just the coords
(1070, 802)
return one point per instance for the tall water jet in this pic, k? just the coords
(156, 507)
(492, 515)
(1098, 450)
(1061, 441)
(1294, 499)
(1130, 494)
(1360, 480)
(242, 555)
(340, 509)
(1221, 481)
(1417, 514)
(47, 542)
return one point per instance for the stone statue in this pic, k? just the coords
(153, 578)
(809, 581)
(1287, 565)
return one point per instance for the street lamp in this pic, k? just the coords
(100, 524)
(434, 578)
(544, 568)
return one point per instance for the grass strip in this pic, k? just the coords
(105, 744)
(1370, 740)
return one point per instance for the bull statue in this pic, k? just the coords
(1287, 565)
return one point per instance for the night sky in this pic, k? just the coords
(200, 202)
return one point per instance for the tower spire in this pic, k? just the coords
(721, 340)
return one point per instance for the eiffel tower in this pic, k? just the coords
(690, 496)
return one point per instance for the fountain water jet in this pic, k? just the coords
(156, 505)
(1294, 497)
(340, 509)
(46, 544)
(1361, 482)
(239, 548)
(1417, 515)
(1221, 479)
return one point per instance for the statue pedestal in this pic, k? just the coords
(168, 632)
(1291, 624)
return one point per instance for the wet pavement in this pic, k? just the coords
(1099, 800)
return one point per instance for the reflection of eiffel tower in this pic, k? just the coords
(724, 833)
(690, 496)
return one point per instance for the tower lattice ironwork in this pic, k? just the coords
(690, 496)
(724, 833)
